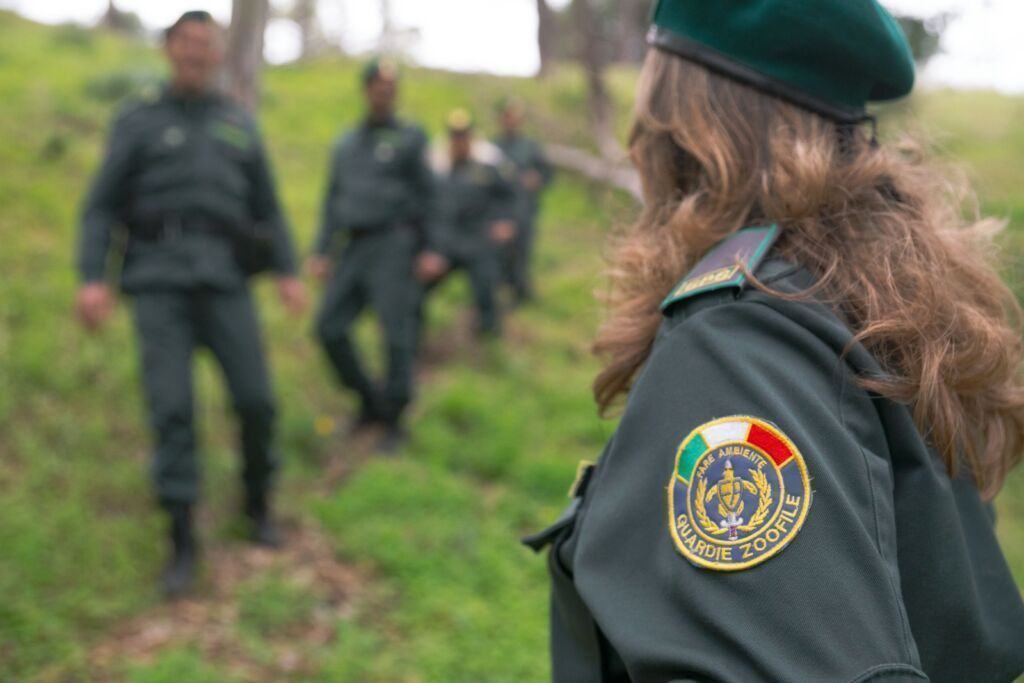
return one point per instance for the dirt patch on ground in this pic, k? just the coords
(209, 621)
(460, 341)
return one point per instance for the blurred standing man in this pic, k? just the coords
(378, 201)
(187, 175)
(534, 174)
(477, 209)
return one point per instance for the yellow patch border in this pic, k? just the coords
(797, 525)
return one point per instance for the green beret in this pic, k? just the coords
(829, 56)
(379, 67)
(459, 122)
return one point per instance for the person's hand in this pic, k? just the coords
(94, 303)
(319, 267)
(503, 231)
(531, 180)
(292, 293)
(430, 265)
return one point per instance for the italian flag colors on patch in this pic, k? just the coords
(717, 433)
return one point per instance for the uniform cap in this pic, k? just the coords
(829, 56)
(459, 121)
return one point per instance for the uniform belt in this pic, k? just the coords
(357, 232)
(173, 226)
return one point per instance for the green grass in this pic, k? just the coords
(177, 665)
(450, 594)
(274, 604)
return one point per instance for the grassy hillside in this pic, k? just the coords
(424, 579)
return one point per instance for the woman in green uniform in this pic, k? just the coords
(821, 373)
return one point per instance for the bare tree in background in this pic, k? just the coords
(387, 31)
(594, 57)
(633, 20)
(244, 58)
(119, 20)
(112, 16)
(547, 37)
(304, 14)
(395, 40)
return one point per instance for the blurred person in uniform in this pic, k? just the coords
(533, 174)
(476, 219)
(187, 176)
(821, 373)
(376, 231)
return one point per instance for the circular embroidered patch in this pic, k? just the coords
(739, 493)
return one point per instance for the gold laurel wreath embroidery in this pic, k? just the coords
(764, 504)
(702, 514)
(764, 501)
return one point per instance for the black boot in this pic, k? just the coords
(522, 296)
(264, 530)
(363, 421)
(180, 573)
(395, 437)
(370, 415)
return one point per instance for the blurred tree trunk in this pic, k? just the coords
(110, 17)
(634, 19)
(387, 31)
(304, 14)
(547, 37)
(244, 58)
(119, 20)
(593, 57)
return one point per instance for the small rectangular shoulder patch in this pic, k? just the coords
(724, 265)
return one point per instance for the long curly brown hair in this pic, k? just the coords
(883, 230)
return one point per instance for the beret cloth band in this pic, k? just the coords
(829, 56)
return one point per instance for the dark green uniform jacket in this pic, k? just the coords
(527, 155)
(472, 196)
(378, 179)
(380, 203)
(187, 177)
(893, 575)
(190, 180)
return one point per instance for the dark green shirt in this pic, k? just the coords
(895, 574)
(378, 179)
(527, 155)
(472, 196)
(173, 164)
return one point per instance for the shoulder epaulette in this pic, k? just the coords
(726, 265)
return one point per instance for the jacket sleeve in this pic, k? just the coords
(328, 220)
(542, 164)
(105, 202)
(503, 193)
(828, 606)
(424, 185)
(266, 209)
